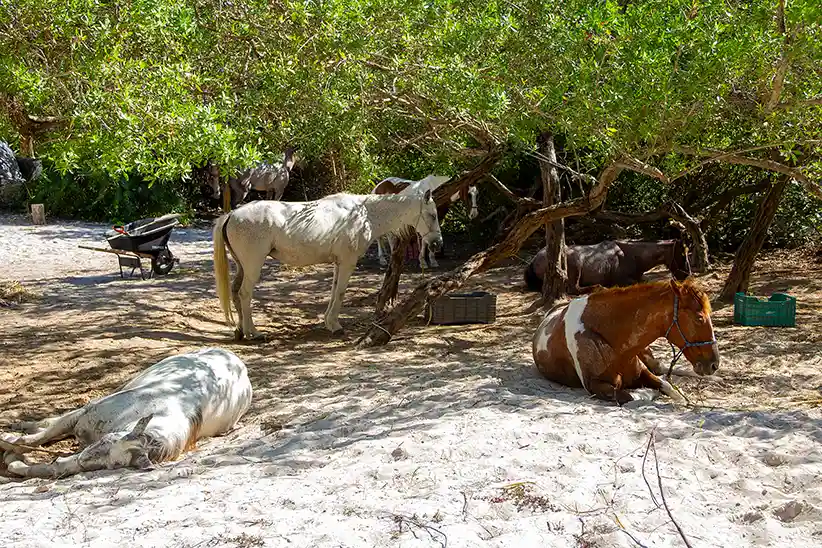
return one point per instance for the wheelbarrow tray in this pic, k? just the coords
(144, 235)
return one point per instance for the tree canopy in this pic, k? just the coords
(154, 87)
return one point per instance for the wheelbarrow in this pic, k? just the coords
(143, 239)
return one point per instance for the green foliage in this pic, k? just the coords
(390, 87)
(101, 197)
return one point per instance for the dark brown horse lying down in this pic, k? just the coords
(611, 263)
(599, 342)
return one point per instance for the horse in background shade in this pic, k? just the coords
(611, 263)
(269, 178)
(397, 185)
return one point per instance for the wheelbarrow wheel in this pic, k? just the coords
(163, 262)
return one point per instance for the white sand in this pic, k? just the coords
(31, 252)
(385, 454)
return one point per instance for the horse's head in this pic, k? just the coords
(428, 224)
(678, 263)
(288, 156)
(691, 329)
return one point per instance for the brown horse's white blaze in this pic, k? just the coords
(599, 342)
(396, 185)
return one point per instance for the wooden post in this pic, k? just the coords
(38, 214)
(226, 197)
(26, 144)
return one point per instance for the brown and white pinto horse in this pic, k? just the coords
(599, 342)
(397, 185)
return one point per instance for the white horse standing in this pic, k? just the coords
(336, 229)
(397, 185)
(154, 417)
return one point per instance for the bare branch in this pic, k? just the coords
(770, 165)
(542, 158)
(641, 167)
(662, 493)
(778, 81)
(508, 193)
(816, 101)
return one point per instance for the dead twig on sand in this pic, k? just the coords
(401, 519)
(645, 458)
(652, 446)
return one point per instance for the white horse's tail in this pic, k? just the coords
(221, 268)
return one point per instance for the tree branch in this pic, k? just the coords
(385, 328)
(770, 165)
(508, 193)
(784, 60)
(816, 101)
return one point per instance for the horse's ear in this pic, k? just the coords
(428, 195)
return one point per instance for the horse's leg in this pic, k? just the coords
(610, 390)
(647, 357)
(433, 256)
(380, 253)
(649, 380)
(269, 193)
(333, 292)
(423, 247)
(235, 297)
(251, 275)
(344, 271)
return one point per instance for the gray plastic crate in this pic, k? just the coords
(461, 308)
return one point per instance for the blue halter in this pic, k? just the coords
(688, 344)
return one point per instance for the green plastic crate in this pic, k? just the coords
(779, 310)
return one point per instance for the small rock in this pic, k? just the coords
(751, 517)
(775, 459)
(627, 467)
(399, 454)
(788, 511)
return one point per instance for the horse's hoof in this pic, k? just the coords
(238, 335)
(257, 338)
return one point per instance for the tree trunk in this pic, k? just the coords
(740, 276)
(226, 196)
(700, 256)
(556, 275)
(391, 281)
(382, 330)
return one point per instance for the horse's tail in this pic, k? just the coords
(221, 267)
(532, 281)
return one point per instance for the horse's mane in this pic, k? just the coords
(690, 286)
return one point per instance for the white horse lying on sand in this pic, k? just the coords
(336, 229)
(397, 185)
(155, 417)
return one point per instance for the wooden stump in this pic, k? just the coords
(38, 214)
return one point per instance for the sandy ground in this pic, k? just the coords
(445, 437)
